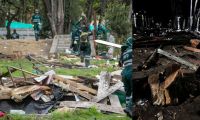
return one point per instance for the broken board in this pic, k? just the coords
(108, 43)
(102, 107)
(108, 92)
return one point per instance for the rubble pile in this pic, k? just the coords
(40, 93)
(166, 74)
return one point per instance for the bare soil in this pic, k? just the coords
(38, 48)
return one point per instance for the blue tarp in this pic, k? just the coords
(19, 25)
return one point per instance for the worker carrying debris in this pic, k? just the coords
(78, 28)
(126, 62)
(37, 22)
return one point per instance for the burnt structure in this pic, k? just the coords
(179, 15)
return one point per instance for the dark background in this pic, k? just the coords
(163, 10)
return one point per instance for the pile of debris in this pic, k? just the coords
(166, 73)
(40, 93)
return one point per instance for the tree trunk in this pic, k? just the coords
(56, 15)
(60, 24)
(89, 10)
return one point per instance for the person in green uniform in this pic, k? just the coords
(85, 50)
(126, 63)
(75, 44)
(101, 34)
(37, 22)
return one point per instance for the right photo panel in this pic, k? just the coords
(166, 59)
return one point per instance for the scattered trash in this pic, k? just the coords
(2, 114)
(17, 112)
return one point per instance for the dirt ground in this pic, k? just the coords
(38, 48)
(189, 110)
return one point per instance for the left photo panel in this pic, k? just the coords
(66, 59)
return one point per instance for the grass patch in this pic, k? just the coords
(81, 114)
(27, 65)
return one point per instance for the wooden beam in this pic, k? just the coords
(194, 42)
(191, 49)
(11, 77)
(24, 71)
(108, 43)
(114, 100)
(177, 59)
(174, 70)
(108, 92)
(102, 107)
(76, 85)
(104, 83)
(69, 87)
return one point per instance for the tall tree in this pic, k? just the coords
(55, 9)
(89, 6)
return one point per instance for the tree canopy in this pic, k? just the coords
(58, 15)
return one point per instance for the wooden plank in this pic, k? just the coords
(177, 59)
(24, 71)
(108, 43)
(11, 77)
(111, 90)
(102, 107)
(194, 42)
(191, 49)
(69, 87)
(77, 85)
(114, 100)
(5, 93)
(175, 69)
(104, 83)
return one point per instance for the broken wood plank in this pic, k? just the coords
(88, 79)
(114, 100)
(111, 90)
(108, 43)
(104, 83)
(5, 93)
(11, 77)
(174, 70)
(161, 93)
(177, 59)
(191, 49)
(24, 71)
(69, 87)
(76, 85)
(102, 107)
(194, 42)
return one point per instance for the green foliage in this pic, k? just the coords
(73, 9)
(116, 16)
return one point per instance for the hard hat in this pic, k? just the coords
(129, 42)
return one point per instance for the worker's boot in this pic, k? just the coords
(129, 106)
